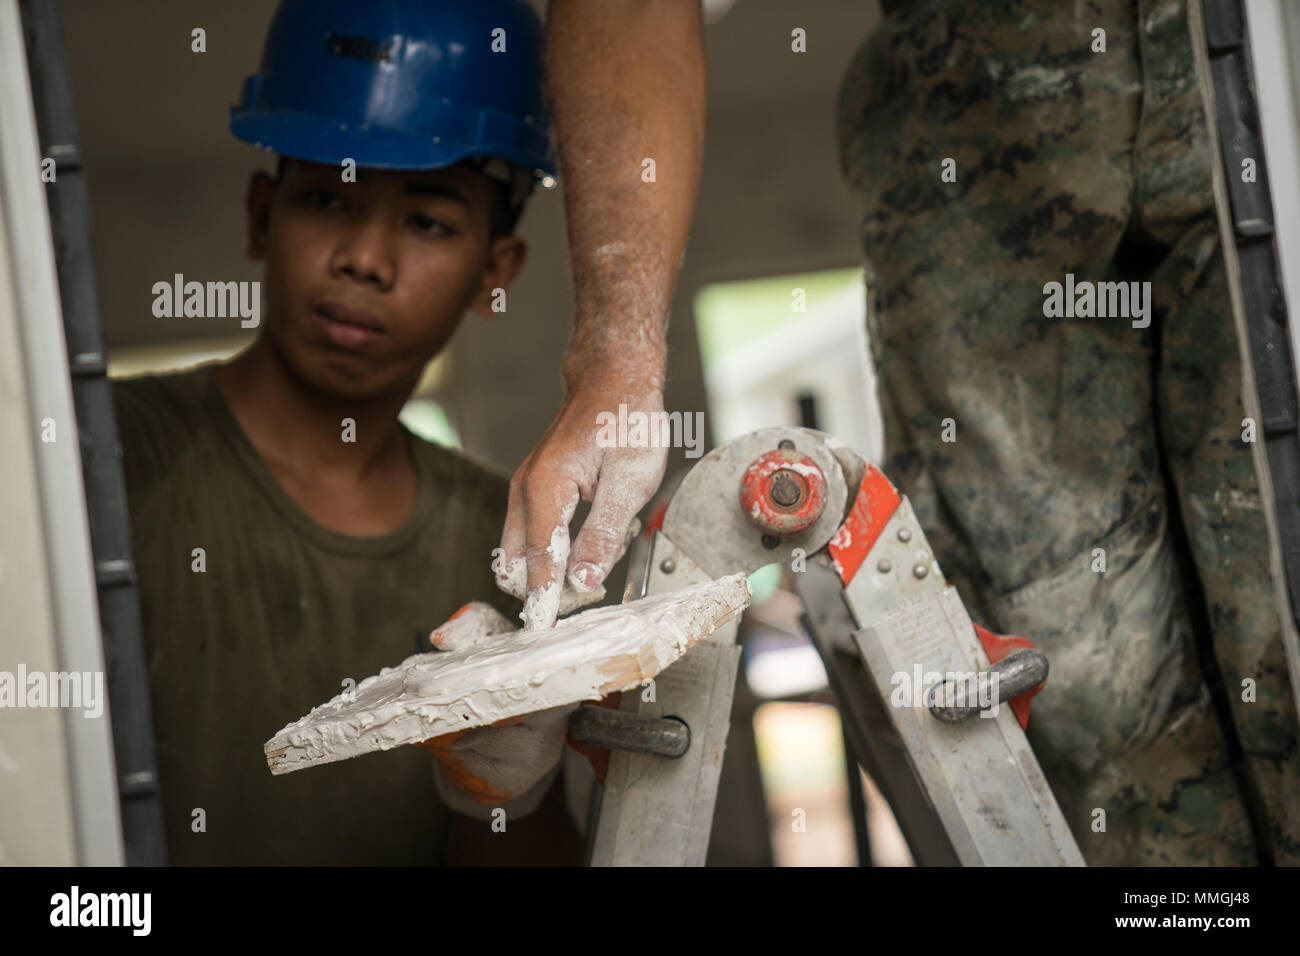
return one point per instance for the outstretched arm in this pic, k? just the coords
(627, 80)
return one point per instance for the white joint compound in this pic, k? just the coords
(585, 657)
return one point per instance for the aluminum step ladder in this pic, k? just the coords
(964, 784)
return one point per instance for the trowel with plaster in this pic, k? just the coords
(491, 676)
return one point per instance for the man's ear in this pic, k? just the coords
(506, 258)
(257, 203)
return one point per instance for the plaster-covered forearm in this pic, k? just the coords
(627, 80)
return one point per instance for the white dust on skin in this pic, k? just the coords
(478, 620)
(623, 479)
(632, 530)
(615, 249)
(628, 479)
(565, 596)
(558, 549)
(586, 657)
(541, 607)
(543, 604)
(632, 474)
(628, 285)
(514, 580)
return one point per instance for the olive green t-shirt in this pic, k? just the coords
(270, 618)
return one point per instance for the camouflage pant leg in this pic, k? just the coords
(1201, 425)
(1056, 453)
(1200, 415)
(1201, 419)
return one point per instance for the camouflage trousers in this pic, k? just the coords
(1084, 480)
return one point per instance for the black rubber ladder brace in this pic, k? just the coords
(110, 534)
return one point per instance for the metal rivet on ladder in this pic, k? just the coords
(786, 490)
(904, 534)
(884, 566)
(667, 565)
(919, 570)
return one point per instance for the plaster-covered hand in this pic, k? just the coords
(627, 89)
(575, 461)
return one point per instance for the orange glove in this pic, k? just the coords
(501, 762)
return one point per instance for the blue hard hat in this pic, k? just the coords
(401, 84)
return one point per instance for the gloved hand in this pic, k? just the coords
(512, 761)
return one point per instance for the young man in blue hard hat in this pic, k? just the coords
(288, 530)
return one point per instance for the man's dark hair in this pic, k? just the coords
(504, 219)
